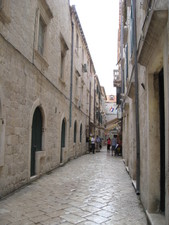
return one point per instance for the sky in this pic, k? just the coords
(99, 21)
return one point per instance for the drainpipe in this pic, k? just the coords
(121, 49)
(71, 77)
(99, 114)
(136, 106)
(94, 106)
(89, 113)
(121, 55)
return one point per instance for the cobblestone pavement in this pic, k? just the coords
(93, 189)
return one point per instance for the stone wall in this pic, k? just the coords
(152, 63)
(29, 80)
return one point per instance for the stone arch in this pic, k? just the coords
(37, 108)
(81, 132)
(63, 137)
(75, 131)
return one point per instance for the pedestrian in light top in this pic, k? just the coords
(93, 144)
(114, 142)
(98, 143)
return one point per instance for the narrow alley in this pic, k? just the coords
(92, 189)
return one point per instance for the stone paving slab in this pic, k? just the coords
(93, 189)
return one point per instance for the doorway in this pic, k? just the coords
(162, 141)
(36, 144)
(63, 136)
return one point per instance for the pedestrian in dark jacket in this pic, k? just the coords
(108, 143)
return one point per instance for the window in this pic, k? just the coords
(63, 133)
(81, 97)
(80, 133)
(76, 86)
(126, 64)
(77, 43)
(101, 119)
(118, 93)
(43, 17)
(62, 65)
(42, 28)
(64, 49)
(87, 106)
(75, 131)
(82, 56)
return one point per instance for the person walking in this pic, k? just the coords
(98, 143)
(114, 143)
(108, 143)
(90, 143)
(93, 144)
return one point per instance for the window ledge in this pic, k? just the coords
(76, 98)
(41, 59)
(62, 81)
(83, 82)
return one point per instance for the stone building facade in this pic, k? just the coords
(46, 73)
(144, 74)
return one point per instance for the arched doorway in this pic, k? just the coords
(36, 144)
(75, 131)
(162, 141)
(80, 133)
(156, 143)
(63, 137)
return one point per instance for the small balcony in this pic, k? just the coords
(117, 79)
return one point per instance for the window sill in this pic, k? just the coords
(83, 82)
(76, 98)
(40, 59)
(62, 81)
